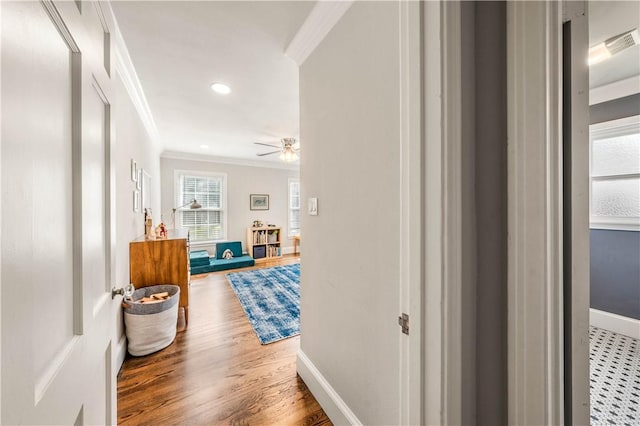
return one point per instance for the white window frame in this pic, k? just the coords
(290, 232)
(177, 199)
(611, 128)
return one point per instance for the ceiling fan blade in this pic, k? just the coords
(268, 144)
(269, 153)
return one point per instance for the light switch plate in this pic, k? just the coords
(313, 206)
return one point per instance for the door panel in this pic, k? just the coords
(56, 309)
(93, 193)
(46, 192)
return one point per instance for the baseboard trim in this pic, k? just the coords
(288, 250)
(616, 323)
(121, 352)
(338, 411)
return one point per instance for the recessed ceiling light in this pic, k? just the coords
(204, 146)
(221, 88)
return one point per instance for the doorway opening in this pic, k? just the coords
(614, 215)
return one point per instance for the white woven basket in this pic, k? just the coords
(151, 327)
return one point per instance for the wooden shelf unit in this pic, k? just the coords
(264, 242)
(162, 261)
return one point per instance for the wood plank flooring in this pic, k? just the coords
(216, 371)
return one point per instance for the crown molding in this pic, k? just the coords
(615, 90)
(127, 72)
(175, 155)
(323, 17)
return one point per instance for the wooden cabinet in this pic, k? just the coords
(264, 243)
(162, 261)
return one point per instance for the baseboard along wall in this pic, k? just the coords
(335, 408)
(616, 323)
(121, 352)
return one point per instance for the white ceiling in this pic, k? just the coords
(180, 48)
(607, 19)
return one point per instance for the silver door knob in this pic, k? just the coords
(126, 291)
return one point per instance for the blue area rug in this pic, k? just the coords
(271, 299)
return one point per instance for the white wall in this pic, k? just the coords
(350, 98)
(131, 141)
(241, 181)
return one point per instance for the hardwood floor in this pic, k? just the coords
(216, 371)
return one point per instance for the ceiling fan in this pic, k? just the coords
(288, 151)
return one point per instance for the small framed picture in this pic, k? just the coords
(259, 202)
(139, 180)
(136, 201)
(134, 170)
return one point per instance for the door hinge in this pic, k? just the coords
(403, 321)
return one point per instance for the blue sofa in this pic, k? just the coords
(201, 263)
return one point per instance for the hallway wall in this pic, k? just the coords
(350, 109)
(131, 142)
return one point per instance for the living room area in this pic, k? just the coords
(228, 171)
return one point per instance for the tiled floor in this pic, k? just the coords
(615, 378)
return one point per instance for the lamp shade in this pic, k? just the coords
(193, 205)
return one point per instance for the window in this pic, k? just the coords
(615, 174)
(294, 207)
(207, 223)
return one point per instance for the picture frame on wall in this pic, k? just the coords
(139, 180)
(136, 201)
(259, 201)
(134, 170)
(145, 192)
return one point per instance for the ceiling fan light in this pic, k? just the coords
(289, 155)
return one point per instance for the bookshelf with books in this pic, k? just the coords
(263, 243)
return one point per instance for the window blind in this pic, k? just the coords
(206, 223)
(294, 208)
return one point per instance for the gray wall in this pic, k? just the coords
(241, 181)
(615, 109)
(491, 212)
(349, 110)
(484, 206)
(615, 255)
(615, 272)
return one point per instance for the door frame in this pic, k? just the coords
(442, 220)
(535, 219)
(411, 211)
(534, 331)
(576, 165)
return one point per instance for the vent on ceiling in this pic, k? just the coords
(613, 46)
(623, 41)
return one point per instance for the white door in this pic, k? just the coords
(57, 311)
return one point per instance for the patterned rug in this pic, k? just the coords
(271, 299)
